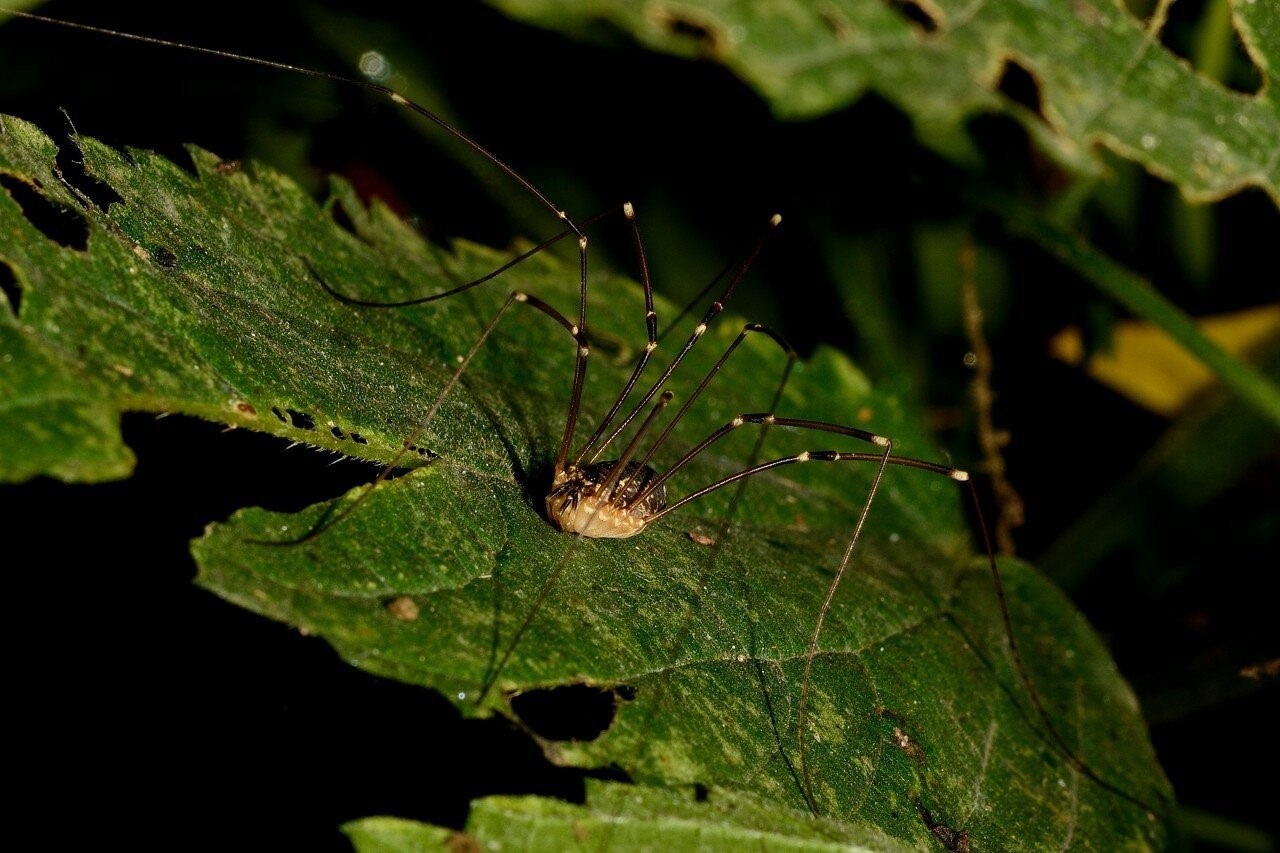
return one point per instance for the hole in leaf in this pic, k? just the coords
(63, 225)
(421, 451)
(337, 433)
(1201, 32)
(626, 692)
(9, 287)
(358, 438)
(1020, 86)
(275, 410)
(574, 712)
(71, 166)
(701, 792)
(916, 14)
(301, 420)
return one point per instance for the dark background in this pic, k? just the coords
(227, 726)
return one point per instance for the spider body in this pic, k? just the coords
(582, 502)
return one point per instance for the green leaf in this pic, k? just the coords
(624, 817)
(1102, 76)
(198, 294)
(398, 834)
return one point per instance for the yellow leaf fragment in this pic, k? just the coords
(1150, 368)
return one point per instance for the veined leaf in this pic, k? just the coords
(198, 294)
(1102, 76)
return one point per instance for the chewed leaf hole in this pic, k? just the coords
(424, 452)
(575, 712)
(1020, 86)
(301, 420)
(63, 225)
(916, 14)
(71, 168)
(1223, 58)
(9, 287)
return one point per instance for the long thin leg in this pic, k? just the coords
(1024, 674)
(553, 578)
(651, 326)
(453, 291)
(769, 419)
(579, 330)
(681, 636)
(425, 422)
(615, 477)
(697, 392)
(801, 740)
(711, 313)
(882, 460)
(386, 91)
(620, 468)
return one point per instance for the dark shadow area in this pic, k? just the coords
(338, 212)
(916, 14)
(165, 257)
(143, 691)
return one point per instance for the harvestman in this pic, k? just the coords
(617, 498)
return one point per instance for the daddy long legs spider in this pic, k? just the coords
(750, 416)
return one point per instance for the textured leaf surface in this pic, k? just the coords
(196, 294)
(1103, 76)
(623, 817)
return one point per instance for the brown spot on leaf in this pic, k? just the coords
(700, 538)
(683, 24)
(403, 608)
